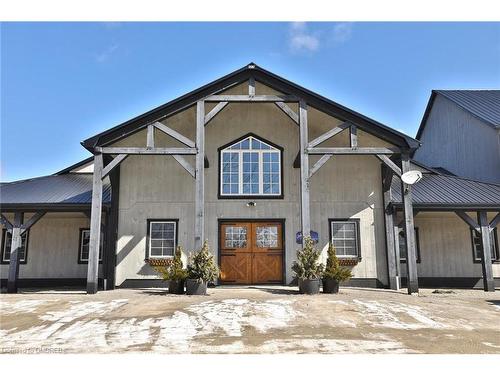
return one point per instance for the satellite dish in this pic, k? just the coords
(411, 177)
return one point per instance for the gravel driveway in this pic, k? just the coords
(250, 320)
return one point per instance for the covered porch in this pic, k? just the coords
(456, 224)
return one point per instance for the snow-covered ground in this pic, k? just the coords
(248, 321)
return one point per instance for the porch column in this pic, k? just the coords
(15, 251)
(409, 228)
(488, 281)
(304, 172)
(95, 226)
(389, 229)
(199, 219)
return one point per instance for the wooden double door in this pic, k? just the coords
(251, 252)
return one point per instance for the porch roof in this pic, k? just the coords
(65, 191)
(441, 191)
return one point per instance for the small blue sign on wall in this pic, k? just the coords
(314, 236)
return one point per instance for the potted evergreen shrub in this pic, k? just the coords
(174, 273)
(201, 270)
(307, 268)
(334, 274)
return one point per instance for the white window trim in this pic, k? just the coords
(151, 222)
(356, 229)
(4, 260)
(240, 169)
(80, 252)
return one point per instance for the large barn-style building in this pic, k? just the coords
(249, 162)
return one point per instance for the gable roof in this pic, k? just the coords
(483, 104)
(440, 191)
(238, 76)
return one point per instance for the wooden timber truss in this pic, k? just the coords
(197, 147)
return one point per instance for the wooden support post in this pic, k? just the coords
(304, 172)
(389, 229)
(6, 223)
(185, 164)
(199, 220)
(319, 164)
(288, 111)
(409, 229)
(396, 249)
(251, 86)
(111, 230)
(353, 130)
(495, 221)
(329, 134)
(150, 139)
(32, 221)
(15, 253)
(113, 163)
(488, 281)
(95, 226)
(174, 134)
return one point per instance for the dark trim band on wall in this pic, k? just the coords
(49, 282)
(238, 197)
(450, 282)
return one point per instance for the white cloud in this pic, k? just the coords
(301, 39)
(342, 32)
(106, 54)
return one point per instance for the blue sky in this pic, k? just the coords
(64, 82)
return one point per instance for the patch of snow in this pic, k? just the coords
(25, 306)
(79, 310)
(491, 345)
(332, 346)
(385, 315)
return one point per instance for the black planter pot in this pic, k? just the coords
(330, 286)
(195, 287)
(176, 287)
(309, 286)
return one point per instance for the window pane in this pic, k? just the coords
(402, 246)
(344, 238)
(247, 180)
(162, 238)
(478, 245)
(8, 244)
(235, 237)
(85, 245)
(267, 236)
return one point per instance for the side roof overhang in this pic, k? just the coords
(265, 77)
(444, 192)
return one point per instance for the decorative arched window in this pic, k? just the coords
(250, 167)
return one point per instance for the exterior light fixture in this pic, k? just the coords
(251, 204)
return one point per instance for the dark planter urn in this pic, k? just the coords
(176, 287)
(330, 286)
(195, 287)
(307, 286)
